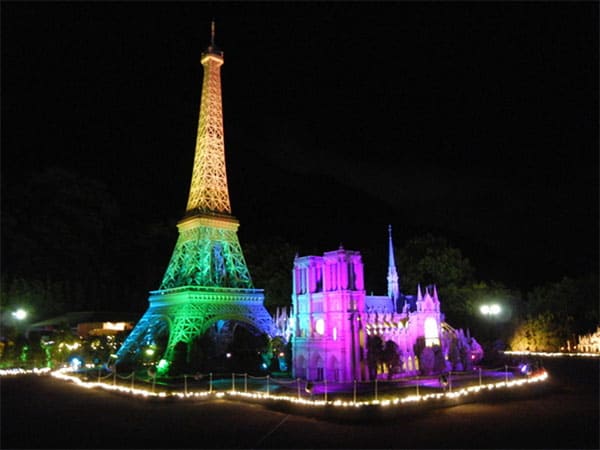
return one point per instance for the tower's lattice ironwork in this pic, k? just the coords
(207, 279)
(208, 191)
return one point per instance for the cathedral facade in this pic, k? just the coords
(335, 323)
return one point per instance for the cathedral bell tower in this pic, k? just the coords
(328, 298)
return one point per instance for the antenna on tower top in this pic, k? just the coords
(212, 33)
(212, 49)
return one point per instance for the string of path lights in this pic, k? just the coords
(64, 374)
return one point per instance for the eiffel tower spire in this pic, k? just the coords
(208, 190)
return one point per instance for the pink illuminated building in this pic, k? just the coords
(334, 319)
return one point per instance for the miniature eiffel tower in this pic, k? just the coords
(207, 280)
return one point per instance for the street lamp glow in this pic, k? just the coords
(20, 314)
(490, 310)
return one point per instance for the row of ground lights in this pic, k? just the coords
(19, 371)
(551, 354)
(540, 376)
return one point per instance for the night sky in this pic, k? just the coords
(474, 121)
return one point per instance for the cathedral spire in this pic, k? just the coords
(208, 190)
(391, 260)
(392, 277)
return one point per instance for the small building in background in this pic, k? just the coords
(589, 343)
(86, 329)
(85, 323)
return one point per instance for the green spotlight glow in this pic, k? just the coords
(162, 367)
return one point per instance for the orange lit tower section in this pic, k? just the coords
(207, 285)
(208, 191)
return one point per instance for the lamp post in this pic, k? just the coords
(21, 338)
(19, 315)
(492, 312)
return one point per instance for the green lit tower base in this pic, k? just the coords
(207, 280)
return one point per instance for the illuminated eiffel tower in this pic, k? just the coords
(207, 281)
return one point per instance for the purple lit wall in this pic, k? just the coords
(328, 299)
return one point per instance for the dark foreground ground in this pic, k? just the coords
(41, 412)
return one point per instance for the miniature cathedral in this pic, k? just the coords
(334, 319)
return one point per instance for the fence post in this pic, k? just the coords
(450, 381)
(246, 382)
(233, 382)
(417, 385)
(506, 373)
(268, 385)
(210, 383)
(298, 384)
(99, 373)
(325, 390)
(354, 391)
(376, 388)
(185, 384)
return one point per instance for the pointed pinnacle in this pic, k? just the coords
(391, 259)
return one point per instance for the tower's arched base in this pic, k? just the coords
(176, 317)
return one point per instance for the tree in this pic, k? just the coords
(247, 349)
(544, 332)
(427, 361)
(454, 354)
(439, 362)
(391, 358)
(280, 354)
(430, 259)
(67, 244)
(374, 355)
(65, 344)
(461, 307)
(270, 263)
(431, 359)
(569, 297)
(556, 312)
